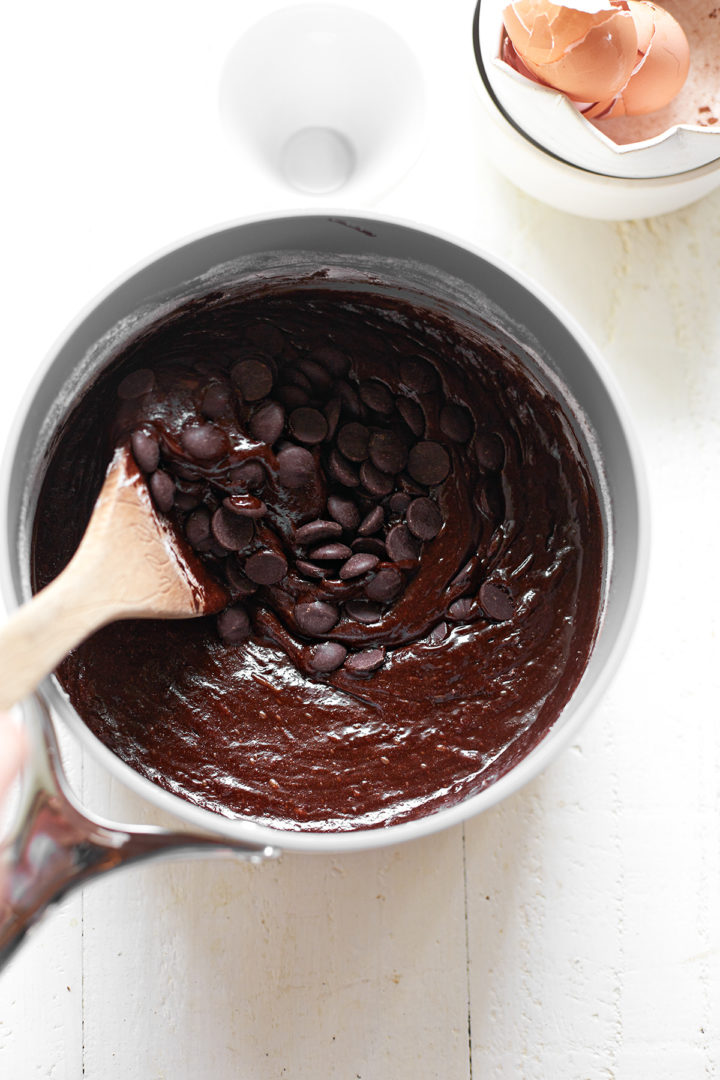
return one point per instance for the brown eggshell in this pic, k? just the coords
(664, 67)
(661, 70)
(644, 17)
(590, 57)
(542, 32)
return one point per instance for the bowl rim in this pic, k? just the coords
(532, 764)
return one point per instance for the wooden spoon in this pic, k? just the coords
(130, 565)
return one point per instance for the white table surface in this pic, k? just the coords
(571, 933)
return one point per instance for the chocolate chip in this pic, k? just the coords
(230, 530)
(292, 397)
(185, 500)
(401, 544)
(186, 473)
(267, 423)
(332, 416)
(213, 548)
(385, 586)
(252, 352)
(376, 396)
(146, 450)
(311, 570)
(418, 374)
(424, 519)
(162, 487)
(399, 502)
(357, 565)
(353, 441)
(237, 579)
(492, 500)
(463, 577)
(331, 553)
(296, 377)
(336, 362)
(248, 477)
(456, 422)
(412, 414)
(203, 441)
(197, 526)
(316, 617)
(216, 401)
(376, 482)
(349, 397)
(234, 625)
(136, 384)
(296, 467)
(341, 470)
(371, 545)
(496, 601)
(372, 522)
(365, 662)
(428, 463)
(408, 486)
(438, 633)
(317, 374)
(343, 511)
(266, 567)
(490, 451)
(253, 378)
(308, 425)
(460, 609)
(266, 336)
(247, 505)
(326, 657)
(363, 611)
(387, 452)
(207, 547)
(197, 488)
(315, 531)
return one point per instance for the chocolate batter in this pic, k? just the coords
(407, 531)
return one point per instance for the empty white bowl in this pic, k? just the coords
(320, 99)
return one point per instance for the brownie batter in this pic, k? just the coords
(409, 538)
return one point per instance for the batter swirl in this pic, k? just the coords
(407, 532)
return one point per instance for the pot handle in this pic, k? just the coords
(54, 845)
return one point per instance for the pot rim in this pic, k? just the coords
(558, 735)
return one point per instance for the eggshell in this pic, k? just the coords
(661, 70)
(644, 19)
(664, 67)
(589, 56)
(542, 31)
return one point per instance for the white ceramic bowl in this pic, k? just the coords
(511, 138)
(324, 125)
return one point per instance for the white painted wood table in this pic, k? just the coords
(572, 933)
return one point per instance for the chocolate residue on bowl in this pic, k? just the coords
(408, 532)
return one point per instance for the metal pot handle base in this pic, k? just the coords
(54, 845)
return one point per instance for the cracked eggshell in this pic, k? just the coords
(589, 56)
(663, 69)
(549, 119)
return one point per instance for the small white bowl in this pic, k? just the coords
(311, 115)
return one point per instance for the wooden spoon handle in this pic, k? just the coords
(35, 638)
(130, 564)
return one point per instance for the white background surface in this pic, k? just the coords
(572, 933)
